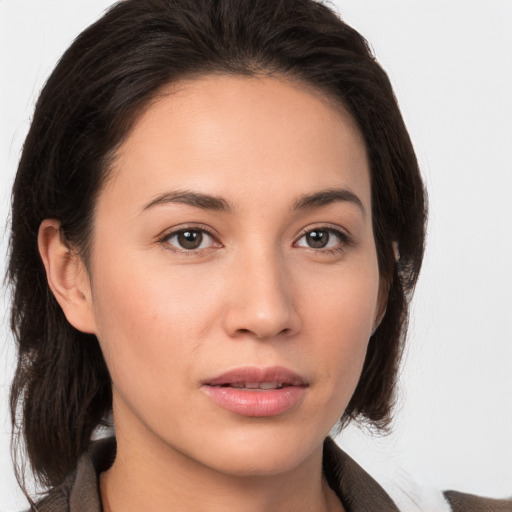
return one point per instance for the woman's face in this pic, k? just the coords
(234, 278)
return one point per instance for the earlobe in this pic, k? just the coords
(381, 307)
(378, 319)
(67, 276)
(383, 298)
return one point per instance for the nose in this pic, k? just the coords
(262, 299)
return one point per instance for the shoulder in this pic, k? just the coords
(462, 502)
(359, 492)
(79, 492)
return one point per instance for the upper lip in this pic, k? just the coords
(254, 375)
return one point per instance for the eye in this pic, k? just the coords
(189, 240)
(322, 238)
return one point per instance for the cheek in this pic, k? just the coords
(149, 319)
(344, 300)
(341, 321)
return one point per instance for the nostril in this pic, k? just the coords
(261, 334)
(261, 315)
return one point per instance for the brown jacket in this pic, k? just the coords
(357, 490)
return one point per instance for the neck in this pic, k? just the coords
(147, 477)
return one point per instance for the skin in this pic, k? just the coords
(255, 292)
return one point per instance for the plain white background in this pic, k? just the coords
(451, 65)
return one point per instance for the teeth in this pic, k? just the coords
(255, 385)
(269, 385)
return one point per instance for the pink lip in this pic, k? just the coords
(225, 391)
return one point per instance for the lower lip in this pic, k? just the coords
(256, 403)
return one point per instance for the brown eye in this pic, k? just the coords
(190, 240)
(322, 239)
(317, 239)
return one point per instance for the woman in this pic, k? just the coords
(217, 225)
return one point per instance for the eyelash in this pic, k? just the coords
(164, 240)
(344, 240)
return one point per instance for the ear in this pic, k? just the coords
(382, 300)
(67, 276)
(382, 303)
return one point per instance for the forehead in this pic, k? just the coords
(258, 135)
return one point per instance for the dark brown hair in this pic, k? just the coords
(62, 390)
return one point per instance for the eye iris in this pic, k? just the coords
(190, 239)
(317, 239)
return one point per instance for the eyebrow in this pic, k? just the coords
(327, 197)
(204, 201)
(216, 203)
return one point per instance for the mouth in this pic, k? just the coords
(254, 386)
(256, 392)
(254, 378)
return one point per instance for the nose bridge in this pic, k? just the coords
(262, 300)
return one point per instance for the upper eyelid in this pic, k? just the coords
(188, 227)
(164, 240)
(325, 226)
(345, 239)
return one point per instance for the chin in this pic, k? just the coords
(262, 463)
(264, 453)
